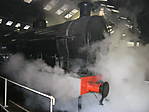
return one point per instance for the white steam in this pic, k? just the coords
(38, 75)
(125, 69)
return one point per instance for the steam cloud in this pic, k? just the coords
(125, 69)
(39, 76)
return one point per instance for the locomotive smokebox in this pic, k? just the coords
(85, 8)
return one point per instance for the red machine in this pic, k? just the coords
(94, 84)
(91, 84)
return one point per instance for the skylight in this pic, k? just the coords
(9, 23)
(1, 21)
(28, 1)
(116, 11)
(18, 25)
(103, 0)
(48, 7)
(110, 6)
(74, 11)
(62, 9)
(68, 16)
(71, 13)
(26, 27)
(59, 12)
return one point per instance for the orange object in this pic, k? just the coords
(91, 84)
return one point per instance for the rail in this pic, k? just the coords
(52, 99)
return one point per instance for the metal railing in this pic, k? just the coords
(3, 108)
(52, 99)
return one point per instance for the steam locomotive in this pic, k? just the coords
(62, 44)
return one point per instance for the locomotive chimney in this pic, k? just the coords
(85, 8)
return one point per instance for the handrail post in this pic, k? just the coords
(51, 105)
(5, 98)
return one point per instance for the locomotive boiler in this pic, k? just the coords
(64, 41)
